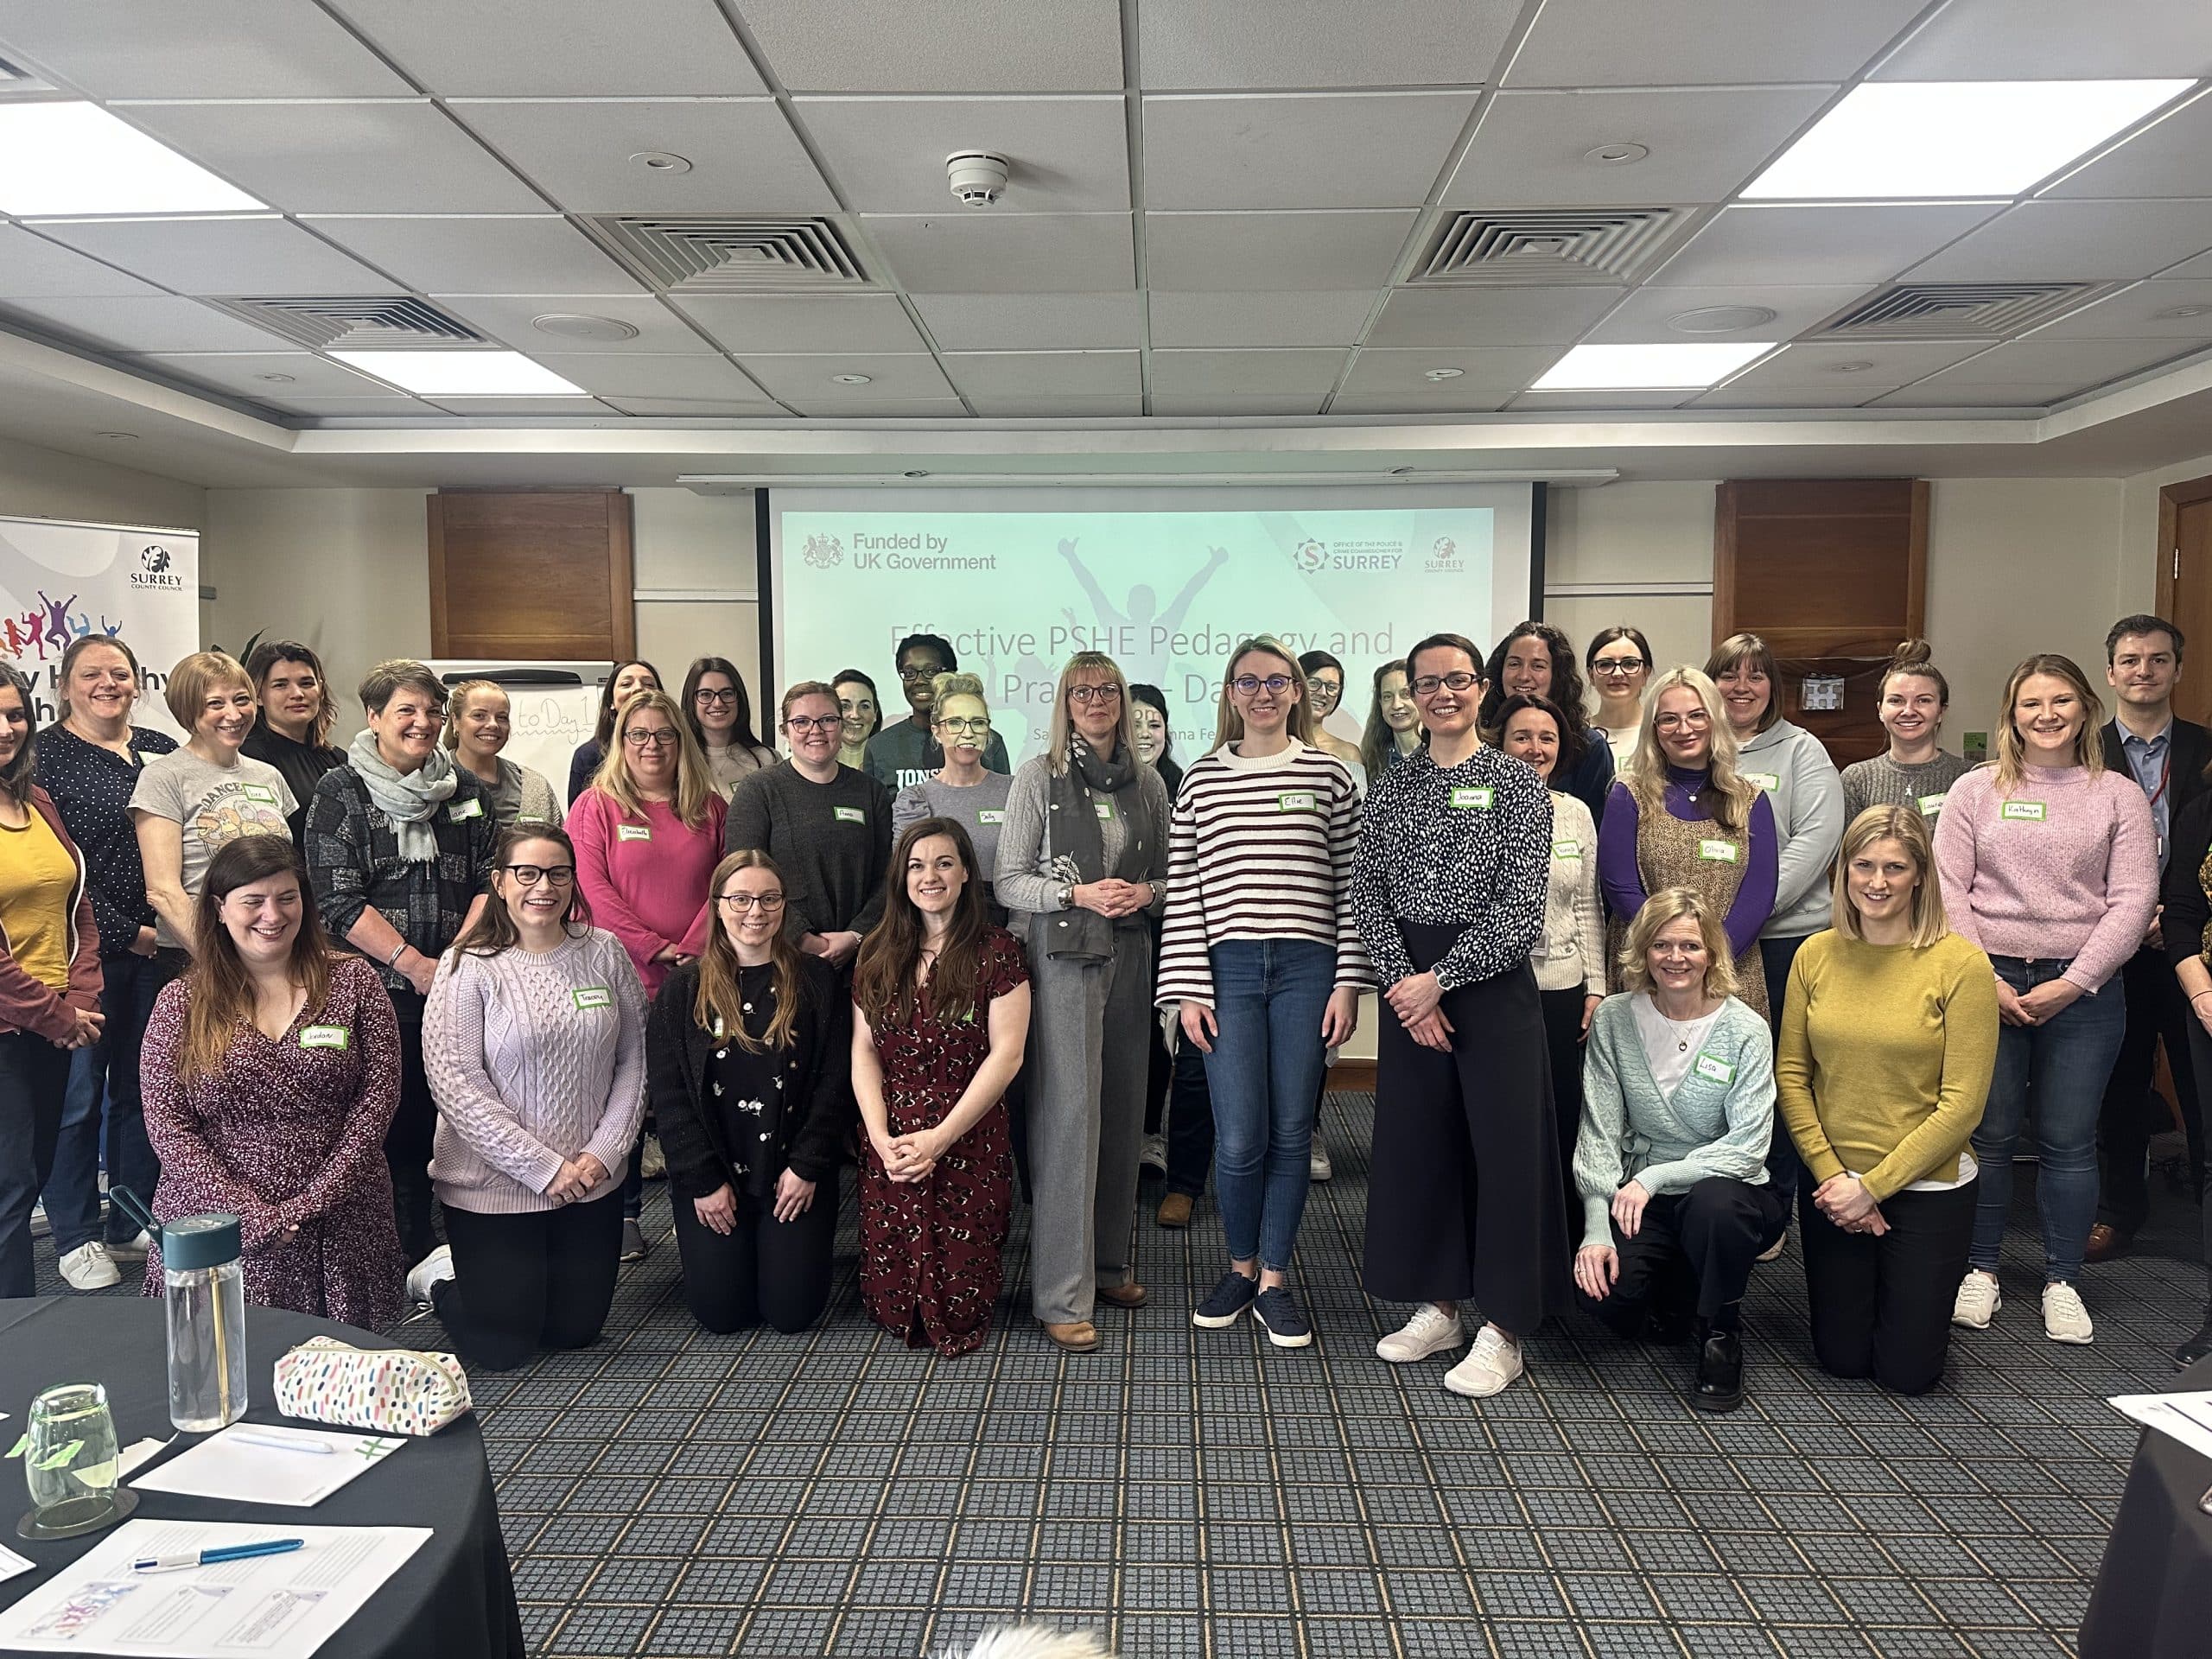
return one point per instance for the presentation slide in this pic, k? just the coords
(1165, 582)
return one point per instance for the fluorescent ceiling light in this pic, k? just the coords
(74, 158)
(1956, 138)
(1639, 368)
(463, 374)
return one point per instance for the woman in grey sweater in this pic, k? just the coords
(1677, 1109)
(1081, 864)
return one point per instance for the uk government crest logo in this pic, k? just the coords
(824, 552)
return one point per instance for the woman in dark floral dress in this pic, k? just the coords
(940, 1015)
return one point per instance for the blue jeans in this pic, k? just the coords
(1264, 1073)
(2061, 1066)
(108, 1071)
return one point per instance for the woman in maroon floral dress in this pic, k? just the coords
(940, 1014)
(270, 1072)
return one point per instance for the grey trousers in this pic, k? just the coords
(1087, 1066)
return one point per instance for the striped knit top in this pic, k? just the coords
(1260, 849)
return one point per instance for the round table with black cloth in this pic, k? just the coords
(2154, 1598)
(454, 1597)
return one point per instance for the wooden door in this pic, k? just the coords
(2185, 586)
(531, 574)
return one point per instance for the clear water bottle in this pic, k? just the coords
(205, 1297)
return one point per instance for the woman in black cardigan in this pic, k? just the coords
(748, 1052)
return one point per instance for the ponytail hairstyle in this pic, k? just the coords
(890, 960)
(494, 930)
(1909, 828)
(719, 1006)
(218, 989)
(1916, 658)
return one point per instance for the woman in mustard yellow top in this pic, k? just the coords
(1889, 1034)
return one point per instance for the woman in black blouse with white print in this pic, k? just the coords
(1467, 1201)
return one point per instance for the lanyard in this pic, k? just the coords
(2165, 777)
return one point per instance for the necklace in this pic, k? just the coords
(1682, 1045)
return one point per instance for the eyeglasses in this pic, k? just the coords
(1617, 667)
(911, 676)
(1693, 718)
(530, 876)
(766, 903)
(650, 740)
(814, 722)
(1091, 694)
(1429, 684)
(718, 698)
(1250, 684)
(1319, 687)
(965, 727)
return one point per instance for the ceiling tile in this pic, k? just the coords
(1863, 243)
(559, 48)
(980, 375)
(1318, 150)
(1191, 404)
(1021, 322)
(1822, 365)
(1703, 42)
(1248, 374)
(2083, 363)
(684, 375)
(507, 319)
(807, 381)
(246, 373)
(1068, 155)
(2166, 159)
(1941, 394)
(2137, 312)
(193, 48)
(1067, 253)
(1844, 392)
(1026, 406)
(384, 155)
(804, 322)
(2076, 241)
(884, 408)
(2199, 267)
(1212, 252)
(575, 407)
(166, 324)
(1535, 401)
(1489, 374)
(743, 154)
(941, 46)
(394, 407)
(256, 255)
(697, 408)
(456, 254)
(33, 268)
(1533, 149)
(1204, 44)
(1293, 317)
(2058, 40)
(1489, 316)
(1646, 315)
(1471, 402)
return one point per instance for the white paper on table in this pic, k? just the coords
(271, 1606)
(135, 1455)
(2186, 1417)
(11, 1564)
(229, 1466)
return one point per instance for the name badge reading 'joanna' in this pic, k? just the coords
(1482, 797)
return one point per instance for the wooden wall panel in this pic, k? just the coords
(1832, 573)
(531, 574)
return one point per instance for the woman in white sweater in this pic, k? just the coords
(1261, 960)
(533, 1039)
(1570, 959)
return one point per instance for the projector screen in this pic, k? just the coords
(1165, 581)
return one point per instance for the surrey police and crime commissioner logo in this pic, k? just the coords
(1310, 555)
(156, 569)
(824, 552)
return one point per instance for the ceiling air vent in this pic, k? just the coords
(732, 256)
(350, 324)
(1549, 245)
(1960, 310)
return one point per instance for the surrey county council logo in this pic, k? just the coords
(1444, 548)
(824, 552)
(154, 558)
(1310, 555)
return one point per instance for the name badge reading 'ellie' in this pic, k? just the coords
(2022, 812)
(1713, 1070)
(1297, 800)
(1716, 852)
(325, 1037)
(592, 996)
(1482, 797)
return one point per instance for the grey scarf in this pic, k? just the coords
(1079, 855)
(410, 800)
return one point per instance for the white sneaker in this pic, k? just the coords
(435, 1268)
(1490, 1367)
(1153, 1155)
(1318, 1166)
(135, 1250)
(652, 1163)
(2064, 1319)
(88, 1268)
(1431, 1331)
(1978, 1300)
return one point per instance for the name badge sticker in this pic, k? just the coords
(848, 815)
(1714, 1070)
(1297, 800)
(2022, 812)
(1105, 809)
(634, 832)
(1566, 849)
(325, 1037)
(260, 792)
(1929, 805)
(592, 996)
(1716, 852)
(1482, 797)
(471, 808)
(990, 815)
(1769, 781)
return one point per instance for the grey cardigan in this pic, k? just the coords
(1718, 1122)
(1025, 883)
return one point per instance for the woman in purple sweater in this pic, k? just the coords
(2050, 864)
(534, 1038)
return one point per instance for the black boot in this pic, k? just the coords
(1719, 1385)
(2198, 1346)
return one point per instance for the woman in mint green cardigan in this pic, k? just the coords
(1677, 1110)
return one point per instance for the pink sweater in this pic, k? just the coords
(2064, 867)
(645, 879)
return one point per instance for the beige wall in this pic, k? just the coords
(697, 552)
(38, 483)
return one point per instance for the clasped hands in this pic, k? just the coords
(1112, 898)
(2037, 1005)
(908, 1159)
(578, 1176)
(1416, 1001)
(1846, 1202)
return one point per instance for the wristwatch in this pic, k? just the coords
(1067, 897)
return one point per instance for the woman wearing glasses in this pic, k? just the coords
(750, 1053)
(963, 790)
(1448, 884)
(1261, 961)
(1620, 661)
(630, 678)
(1083, 862)
(719, 714)
(535, 1041)
(1324, 694)
(648, 832)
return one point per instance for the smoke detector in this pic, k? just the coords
(977, 177)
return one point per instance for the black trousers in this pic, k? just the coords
(1881, 1308)
(1563, 1043)
(762, 1269)
(407, 1142)
(2156, 1012)
(1692, 1253)
(34, 1086)
(544, 1279)
(1465, 1199)
(1190, 1120)
(2200, 1053)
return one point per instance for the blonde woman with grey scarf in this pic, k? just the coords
(1082, 868)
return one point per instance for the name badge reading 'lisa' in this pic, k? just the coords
(1482, 797)
(1716, 852)
(1713, 1070)
(325, 1037)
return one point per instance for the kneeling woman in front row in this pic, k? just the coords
(940, 1016)
(747, 1050)
(1677, 1110)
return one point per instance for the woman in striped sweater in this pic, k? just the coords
(1261, 958)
